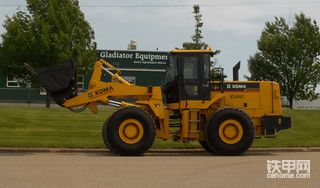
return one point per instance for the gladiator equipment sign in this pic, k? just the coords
(138, 57)
(288, 169)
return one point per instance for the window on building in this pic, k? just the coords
(130, 79)
(115, 64)
(43, 91)
(80, 81)
(12, 82)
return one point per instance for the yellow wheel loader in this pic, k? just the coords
(224, 116)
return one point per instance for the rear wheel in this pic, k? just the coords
(229, 131)
(129, 131)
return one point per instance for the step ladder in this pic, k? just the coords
(194, 123)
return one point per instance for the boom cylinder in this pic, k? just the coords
(114, 103)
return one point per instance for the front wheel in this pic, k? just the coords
(205, 146)
(229, 131)
(129, 131)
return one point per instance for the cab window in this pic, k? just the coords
(171, 70)
(190, 68)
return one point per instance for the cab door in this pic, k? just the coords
(195, 77)
(190, 81)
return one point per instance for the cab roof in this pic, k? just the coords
(194, 51)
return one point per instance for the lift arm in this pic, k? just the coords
(98, 91)
(101, 92)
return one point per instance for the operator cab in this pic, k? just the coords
(188, 75)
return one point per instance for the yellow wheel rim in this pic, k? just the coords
(131, 131)
(230, 131)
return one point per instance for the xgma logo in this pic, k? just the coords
(90, 95)
(100, 92)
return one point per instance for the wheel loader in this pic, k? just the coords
(224, 116)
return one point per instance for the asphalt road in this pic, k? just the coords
(151, 170)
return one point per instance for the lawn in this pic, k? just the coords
(305, 131)
(58, 127)
(50, 127)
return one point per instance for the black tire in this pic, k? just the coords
(229, 131)
(205, 146)
(121, 142)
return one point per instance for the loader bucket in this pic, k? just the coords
(59, 81)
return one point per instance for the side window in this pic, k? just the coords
(171, 71)
(190, 68)
(206, 66)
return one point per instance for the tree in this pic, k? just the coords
(260, 69)
(196, 38)
(289, 55)
(50, 33)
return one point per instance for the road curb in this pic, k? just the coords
(180, 150)
(52, 150)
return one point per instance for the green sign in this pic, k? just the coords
(134, 59)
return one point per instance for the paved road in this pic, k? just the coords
(152, 170)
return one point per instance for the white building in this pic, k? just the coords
(307, 105)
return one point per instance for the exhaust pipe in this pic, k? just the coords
(236, 71)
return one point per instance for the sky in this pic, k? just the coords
(232, 26)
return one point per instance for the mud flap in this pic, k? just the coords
(59, 81)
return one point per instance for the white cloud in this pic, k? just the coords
(243, 17)
(230, 25)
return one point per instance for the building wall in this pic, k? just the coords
(306, 105)
(8, 93)
(141, 68)
(148, 67)
(3, 82)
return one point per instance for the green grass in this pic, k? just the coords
(58, 127)
(53, 127)
(305, 131)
